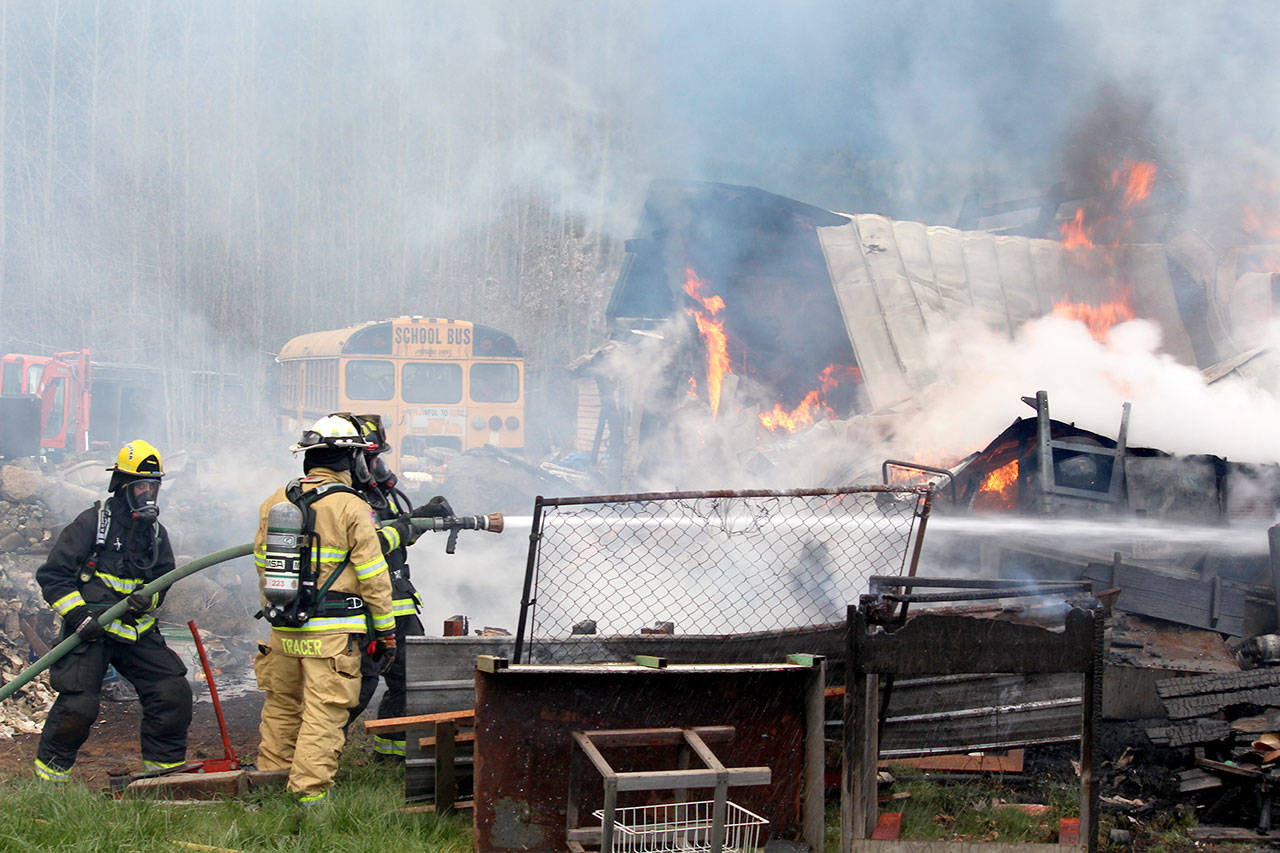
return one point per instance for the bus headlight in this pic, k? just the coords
(495, 423)
(513, 423)
(477, 422)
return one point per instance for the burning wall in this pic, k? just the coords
(775, 315)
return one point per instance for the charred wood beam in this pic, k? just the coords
(930, 643)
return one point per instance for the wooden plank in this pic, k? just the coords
(657, 737)
(418, 721)
(1187, 707)
(670, 780)
(430, 808)
(460, 737)
(990, 646)
(1229, 769)
(1009, 762)
(490, 663)
(888, 826)
(1163, 596)
(446, 790)
(191, 785)
(651, 661)
(1197, 779)
(1191, 732)
(1218, 682)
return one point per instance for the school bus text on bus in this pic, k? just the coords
(436, 383)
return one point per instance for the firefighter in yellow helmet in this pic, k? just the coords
(327, 594)
(104, 555)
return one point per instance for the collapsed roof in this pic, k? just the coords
(805, 287)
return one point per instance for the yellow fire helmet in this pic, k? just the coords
(138, 458)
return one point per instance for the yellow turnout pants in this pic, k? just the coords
(309, 682)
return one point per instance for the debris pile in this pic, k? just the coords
(25, 711)
(28, 627)
(1228, 726)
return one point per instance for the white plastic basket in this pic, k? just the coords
(680, 827)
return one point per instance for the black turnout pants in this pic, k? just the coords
(393, 701)
(153, 669)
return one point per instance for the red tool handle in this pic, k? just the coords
(227, 751)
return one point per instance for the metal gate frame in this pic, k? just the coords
(528, 598)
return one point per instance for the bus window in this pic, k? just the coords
(34, 372)
(370, 380)
(495, 383)
(422, 382)
(12, 381)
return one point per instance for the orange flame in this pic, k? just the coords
(812, 406)
(1000, 488)
(712, 332)
(1097, 318)
(1138, 184)
(1096, 228)
(1074, 233)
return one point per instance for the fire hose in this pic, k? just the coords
(118, 609)
(491, 522)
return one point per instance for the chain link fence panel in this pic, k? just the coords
(708, 563)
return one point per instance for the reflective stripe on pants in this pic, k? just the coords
(303, 713)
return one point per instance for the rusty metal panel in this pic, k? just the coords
(525, 715)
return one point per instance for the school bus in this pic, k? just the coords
(436, 383)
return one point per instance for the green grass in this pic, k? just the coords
(972, 811)
(357, 816)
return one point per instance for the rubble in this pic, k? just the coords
(25, 711)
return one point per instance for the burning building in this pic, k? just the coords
(781, 314)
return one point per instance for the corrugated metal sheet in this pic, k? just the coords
(898, 282)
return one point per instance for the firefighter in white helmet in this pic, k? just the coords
(394, 511)
(107, 553)
(326, 600)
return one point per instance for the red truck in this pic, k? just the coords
(61, 384)
(64, 403)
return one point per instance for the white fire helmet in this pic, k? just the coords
(331, 431)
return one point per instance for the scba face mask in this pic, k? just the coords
(140, 496)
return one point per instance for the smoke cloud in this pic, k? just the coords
(190, 185)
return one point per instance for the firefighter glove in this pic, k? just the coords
(383, 652)
(84, 622)
(139, 603)
(437, 507)
(408, 533)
